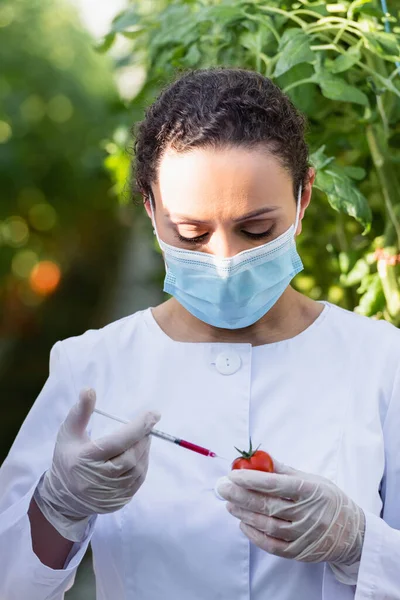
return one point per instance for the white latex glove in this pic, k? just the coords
(296, 515)
(91, 477)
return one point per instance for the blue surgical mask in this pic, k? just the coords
(233, 292)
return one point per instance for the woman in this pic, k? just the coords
(235, 353)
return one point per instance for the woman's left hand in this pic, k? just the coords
(297, 515)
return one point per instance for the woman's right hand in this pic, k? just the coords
(92, 477)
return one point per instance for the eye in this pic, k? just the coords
(202, 238)
(259, 236)
(196, 240)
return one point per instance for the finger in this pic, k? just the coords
(283, 469)
(116, 480)
(273, 484)
(131, 477)
(79, 415)
(256, 501)
(131, 458)
(280, 467)
(264, 541)
(123, 438)
(277, 528)
(135, 476)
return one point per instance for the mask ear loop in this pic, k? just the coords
(152, 214)
(298, 209)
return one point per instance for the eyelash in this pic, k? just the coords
(199, 239)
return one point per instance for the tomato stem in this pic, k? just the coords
(247, 455)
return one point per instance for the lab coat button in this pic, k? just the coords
(228, 363)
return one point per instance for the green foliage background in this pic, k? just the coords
(58, 103)
(339, 66)
(57, 99)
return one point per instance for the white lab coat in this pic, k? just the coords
(326, 401)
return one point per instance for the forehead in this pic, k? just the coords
(234, 178)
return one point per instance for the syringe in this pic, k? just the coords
(167, 437)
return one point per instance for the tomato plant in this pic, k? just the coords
(339, 63)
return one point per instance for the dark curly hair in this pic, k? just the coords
(220, 107)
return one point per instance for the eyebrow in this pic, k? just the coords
(251, 215)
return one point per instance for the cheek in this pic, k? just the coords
(164, 233)
(282, 226)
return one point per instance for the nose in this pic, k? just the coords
(224, 244)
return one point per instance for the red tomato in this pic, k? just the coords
(257, 460)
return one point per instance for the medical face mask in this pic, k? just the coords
(233, 292)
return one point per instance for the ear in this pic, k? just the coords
(146, 202)
(305, 198)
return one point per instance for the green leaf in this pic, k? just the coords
(105, 44)
(193, 57)
(178, 25)
(306, 96)
(127, 18)
(357, 273)
(365, 283)
(254, 41)
(294, 48)
(132, 35)
(319, 6)
(357, 173)
(345, 61)
(390, 233)
(223, 13)
(344, 262)
(343, 196)
(336, 88)
(373, 300)
(319, 160)
(248, 41)
(383, 43)
(366, 8)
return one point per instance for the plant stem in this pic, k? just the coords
(386, 176)
(397, 70)
(299, 82)
(385, 81)
(381, 109)
(389, 184)
(349, 294)
(380, 156)
(390, 286)
(317, 28)
(285, 13)
(264, 23)
(339, 34)
(377, 142)
(304, 11)
(339, 20)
